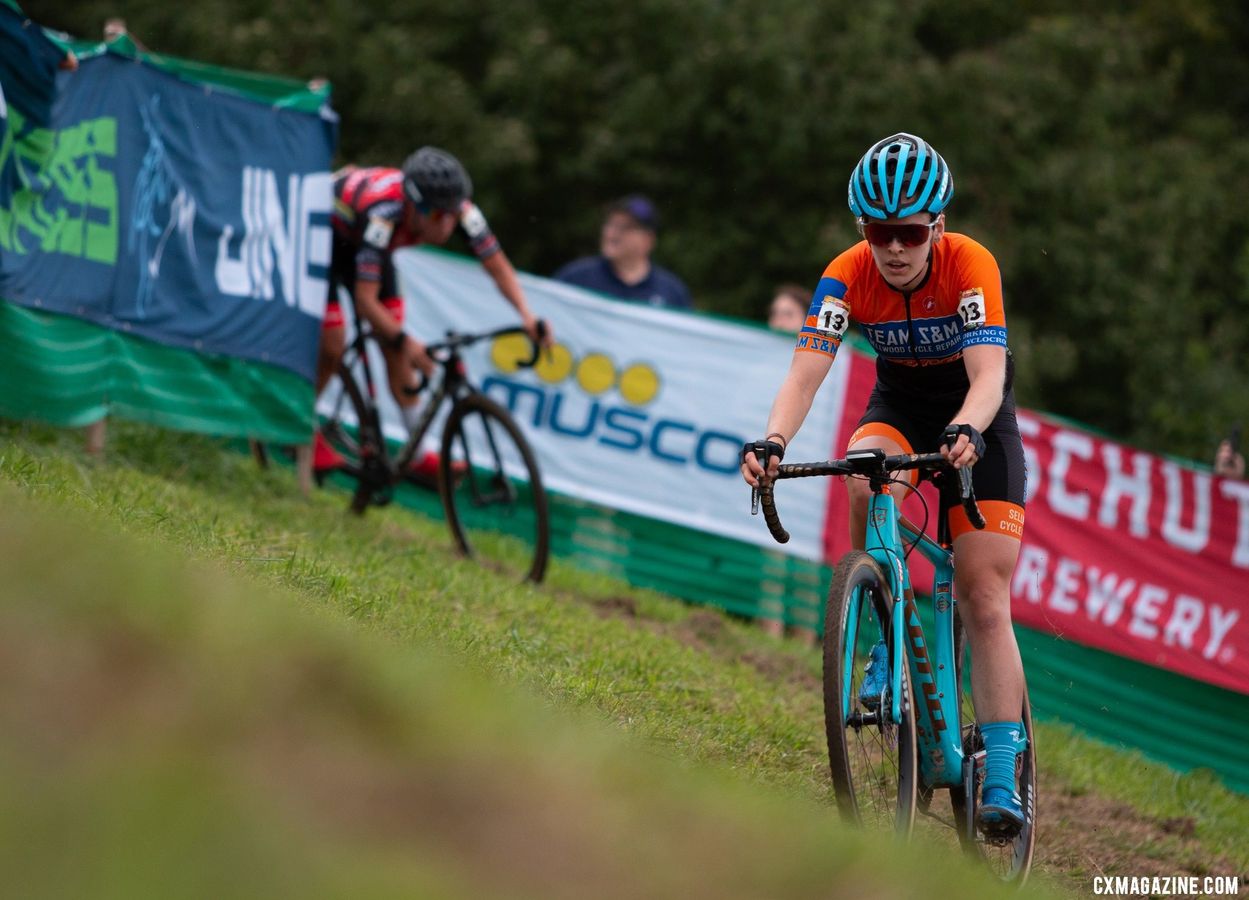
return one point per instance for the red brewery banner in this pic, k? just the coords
(1135, 554)
(1124, 551)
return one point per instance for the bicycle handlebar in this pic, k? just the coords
(445, 350)
(455, 341)
(872, 463)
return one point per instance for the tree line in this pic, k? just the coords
(1096, 150)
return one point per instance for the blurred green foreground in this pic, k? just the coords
(169, 730)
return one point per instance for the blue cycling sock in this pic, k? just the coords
(1002, 741)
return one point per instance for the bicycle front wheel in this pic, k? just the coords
(871, 757)
(492, 490)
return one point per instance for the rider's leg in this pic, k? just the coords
(330, 352)
(871, 435)
(402, 378)
(333, 326)
(983, 566)
(333, 343)
(399, 372)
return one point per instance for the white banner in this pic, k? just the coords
(638, 409)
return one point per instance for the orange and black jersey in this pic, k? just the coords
(921, 378)
(919, 335)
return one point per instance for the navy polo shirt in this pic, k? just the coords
(659, 288)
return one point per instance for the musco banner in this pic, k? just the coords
(194, 217)
(639, 409)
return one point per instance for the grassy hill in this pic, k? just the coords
(212, 686)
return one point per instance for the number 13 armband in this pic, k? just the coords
(971, 308)
(833, 317)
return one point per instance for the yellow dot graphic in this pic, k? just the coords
(554, 365)
(596, 373)
(639, 384)
(509, 352)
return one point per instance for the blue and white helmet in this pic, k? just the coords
(899, 176)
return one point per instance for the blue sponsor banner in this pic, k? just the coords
(167, 210)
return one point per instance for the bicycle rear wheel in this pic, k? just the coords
(354, 430)
(872, 760)
(492, 490)
(1010, 860)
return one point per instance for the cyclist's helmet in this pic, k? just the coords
(899, 176)
(433, 178)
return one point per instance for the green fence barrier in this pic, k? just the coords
(69, 372)
(1175, 720)
(274, 90)
(1184, 723)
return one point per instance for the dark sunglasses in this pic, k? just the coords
(879, 234)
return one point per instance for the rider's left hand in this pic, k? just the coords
(530, 324)
(962, 445)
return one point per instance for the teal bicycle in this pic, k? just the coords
(890, 753)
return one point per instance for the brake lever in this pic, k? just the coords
(974, 515)
(760, 455)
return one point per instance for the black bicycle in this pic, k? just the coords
(487, 474)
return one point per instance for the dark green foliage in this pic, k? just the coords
(1097, 151)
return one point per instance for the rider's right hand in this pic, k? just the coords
(416, 357)
(752, 468)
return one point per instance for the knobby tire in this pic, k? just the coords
(481, 431)
(873, 766)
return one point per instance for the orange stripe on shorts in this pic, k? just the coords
(1000, 516)
(880, 429)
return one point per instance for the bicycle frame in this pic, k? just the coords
(934, 675)
(453, 385)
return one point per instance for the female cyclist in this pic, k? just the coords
(930, 303)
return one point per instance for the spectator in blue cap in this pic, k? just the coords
(623, 267)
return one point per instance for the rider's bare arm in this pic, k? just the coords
(793, 402)
(986, 370)
(500, 268)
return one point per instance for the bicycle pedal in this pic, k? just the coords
(999, 834)
(999, 826)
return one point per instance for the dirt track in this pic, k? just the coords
(1080, 834)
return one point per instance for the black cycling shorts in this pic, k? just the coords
(1000, 478)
